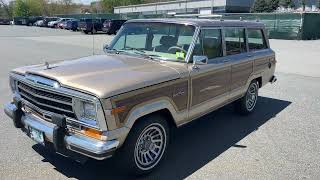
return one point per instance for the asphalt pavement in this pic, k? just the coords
(280, 140)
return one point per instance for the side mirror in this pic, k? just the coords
(200, 60)
(105, 47)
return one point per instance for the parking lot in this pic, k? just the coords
(280, 140)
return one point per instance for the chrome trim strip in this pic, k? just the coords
(41, 104)
(194, 40)
(44, 97)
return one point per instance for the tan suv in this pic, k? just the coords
(157, 74)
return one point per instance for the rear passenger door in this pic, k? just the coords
(209, 82)
(240, 59)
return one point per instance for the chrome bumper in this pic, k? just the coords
(81, 144)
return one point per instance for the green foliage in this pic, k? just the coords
(264, 6)
(287, 3)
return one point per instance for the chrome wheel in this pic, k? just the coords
(150, 146)
(252, 96)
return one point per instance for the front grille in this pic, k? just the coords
(47, 101)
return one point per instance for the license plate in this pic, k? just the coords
(36, 135)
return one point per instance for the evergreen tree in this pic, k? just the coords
(287, 3)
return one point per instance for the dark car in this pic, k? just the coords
(46, 20)
(5, 21)
(91, 25)
(112, 26)
(72, 25)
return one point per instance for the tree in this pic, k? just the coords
(264, 6)
(287, 3)
(7, 8)
(21, 8)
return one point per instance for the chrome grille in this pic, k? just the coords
(47, 101)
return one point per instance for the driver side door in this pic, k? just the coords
(210, 82)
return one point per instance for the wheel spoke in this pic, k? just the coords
(149, 155)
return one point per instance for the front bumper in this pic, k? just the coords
(89, 147)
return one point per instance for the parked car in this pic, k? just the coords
(54, 24)
(46, 21)
(38, 23)
(72, 25)
(91, 25)
(62, 25)
(5, 21)
(112, 26)
(156, 75)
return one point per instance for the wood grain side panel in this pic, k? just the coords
(177, 92)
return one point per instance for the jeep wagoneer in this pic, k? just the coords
(155, 75)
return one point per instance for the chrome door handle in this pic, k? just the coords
(249, 55)
(225, 61)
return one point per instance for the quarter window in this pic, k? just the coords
(256, 40)
(235, 41)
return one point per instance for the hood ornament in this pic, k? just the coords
(47, 65)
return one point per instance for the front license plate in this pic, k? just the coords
(36, 135)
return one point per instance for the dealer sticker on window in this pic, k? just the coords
(180, 55)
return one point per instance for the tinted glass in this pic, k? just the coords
(256, 40)
(212, 43)
(235, 40)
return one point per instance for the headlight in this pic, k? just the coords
(86, 111)
(13, 84)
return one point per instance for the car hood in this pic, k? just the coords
(105, 75)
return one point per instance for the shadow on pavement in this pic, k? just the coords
(193, 145)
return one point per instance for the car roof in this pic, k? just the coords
(203, 22)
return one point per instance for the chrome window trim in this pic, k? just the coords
(101, 121)
(194, 40)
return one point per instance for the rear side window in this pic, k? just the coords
(235, 41)
(256, 40)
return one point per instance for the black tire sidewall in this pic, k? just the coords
(126, 153)
(241, 106)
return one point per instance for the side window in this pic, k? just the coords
(256, 40)
(212, 43)
(235, 40)
(209, 44)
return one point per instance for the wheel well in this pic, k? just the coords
(259, 79)
(164, 113)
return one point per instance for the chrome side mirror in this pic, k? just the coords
(105, 47)
(200, 60)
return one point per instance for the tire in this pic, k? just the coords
(86, 32)
(142, 152)
(94, 31)
(248, 102)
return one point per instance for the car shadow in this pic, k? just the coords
(192, 147)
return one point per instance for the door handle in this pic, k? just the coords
(225, 60)
(249, 55)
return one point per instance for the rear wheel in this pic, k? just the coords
(94, 31)
(248, 102)
(145, 145)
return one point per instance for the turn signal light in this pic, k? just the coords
(118, 110)
(94, 133)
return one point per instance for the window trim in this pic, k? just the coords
(245, 39)
(265, 41)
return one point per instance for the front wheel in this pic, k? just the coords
(248, 102)
(145, 145)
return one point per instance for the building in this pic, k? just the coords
(188, 6)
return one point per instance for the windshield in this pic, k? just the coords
(162, 41)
